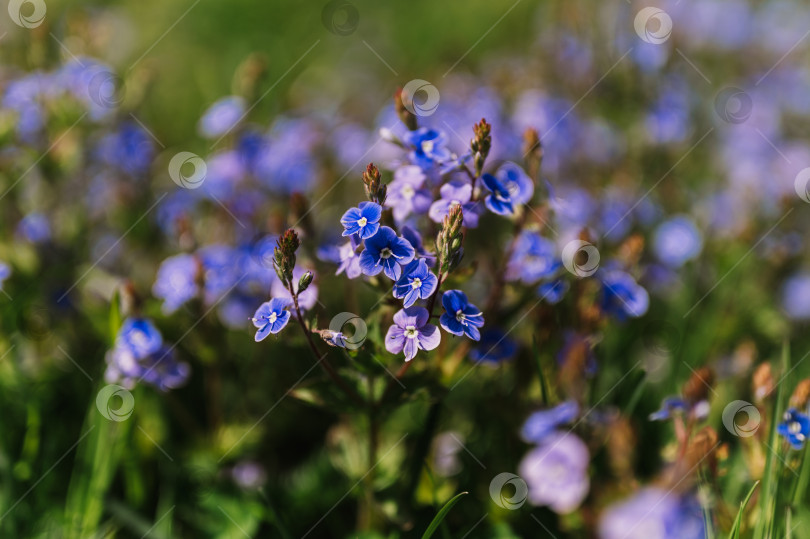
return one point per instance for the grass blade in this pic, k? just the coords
(735, 529)
(437, 520)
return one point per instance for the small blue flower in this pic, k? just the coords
(462, 317)
(35, 228)
(677, 241)
(533, 258)
(516, 182)
(386, 252)
(407, 192)
(140, 336)
(5, 273)
(416, 282)
(543, 422)
(177, 281)
(363, 221)
(413, 237)
(553, 291)
(499, 200)
(411, 333)
(795, 428)
(428, 147)
(452, 194)
(495, 346)
(349, 259)
(222, 116)
(622, 296)
(670, 407)
(271, 317)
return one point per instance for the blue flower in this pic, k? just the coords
(35, 228)
(129, 149)
(499, 200)
(5, 273)
(349, 260)
(668, 515)
(495, 346)
(416, 282)
(462, 317)
(407, 193)
(516, 182)
(271, 317)
(553, 291)
(428, 147)
(677, 241)
(386, 252)
(455, 193)
(222, 116)
(411, 333)
(413, 237)
(670, 407)
(556, 472)
(177, 281)
(363, 221)
(543, 422)
(533, 258)
(622, 296)
(140, 336)
(795, 428)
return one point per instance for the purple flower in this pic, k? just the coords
(498, 201)
(428, 147)
(411, 333)
(349, 259)
(495, 346)
(533, 258)
(386, 252)
(462, 317)
(543, 422)
(177, 281)
(653, 512)
(271, 317)
(455, 193)
(516, 182)
(796, 297)
(406, 194)
(795, 428)
(306, 299)
(416, 282)
(677, 241)
(363, 221)
(5, 273)
(222, 116)
(622, 296)
(129, 149)
(556, 472)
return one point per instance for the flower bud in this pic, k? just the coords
(762, 382)
(697, 388)
(405, 116)
(801, 395)
(481, 144)
(375, 191)
(284, 256)
(304, 281)
(450, 239)
(533, 152)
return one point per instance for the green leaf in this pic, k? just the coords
(437, 520)
(115, 316)
(735, 529)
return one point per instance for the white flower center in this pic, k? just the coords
(362, 222)
(410, 332)
(407, 191)
(454, 203)
(427, 146)
(272, 318)
(461, 317)
(416, 283)
(386, 253)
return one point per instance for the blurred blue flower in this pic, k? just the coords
(543, 422)
(406, 193)
(533, 258)
(271, 317)
(462, 317)
(517, 183)
(387, 252)
(363, 220)
(129, 149)
(177, 281)
(349, 260)
(494, 347)
(411, 333)
(556, 472)
(553, 291)
(669, 408)
(795, 428)
(140, 336)
(455, 193)
(499, 200)
(222, 116)
(35, 228)
(416, 282)
(654, 512)
(622, 296)
(429, 147)
(5, 273)
(677, 241)
(413, 237)
(796, 297)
